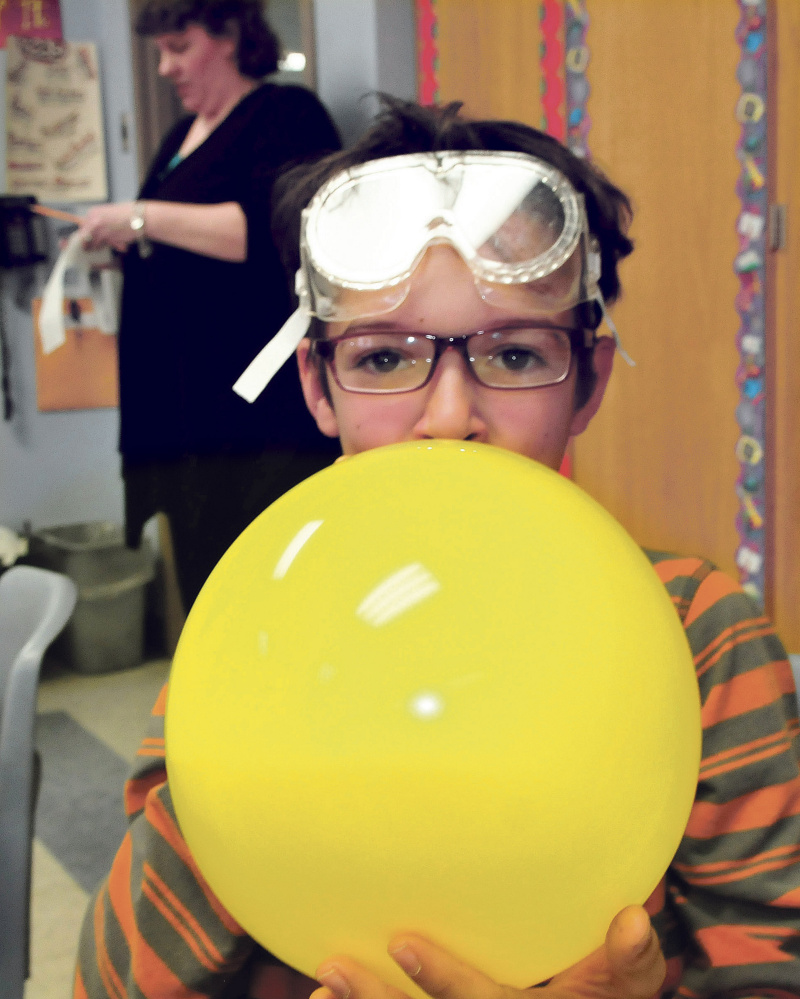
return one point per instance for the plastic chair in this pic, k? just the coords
(35, 604)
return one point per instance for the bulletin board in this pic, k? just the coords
(55, 146)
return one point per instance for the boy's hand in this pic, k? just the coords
(629, 965)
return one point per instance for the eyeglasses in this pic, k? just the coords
(521, 357)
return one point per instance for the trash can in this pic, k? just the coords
(106, 631)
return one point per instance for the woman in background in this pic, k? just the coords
(203, 284)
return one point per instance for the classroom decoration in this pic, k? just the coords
(434, 687)
(55, 148)
(427, 53)
(31, 18)
(551, 19)
(750, 266)
(576, 24)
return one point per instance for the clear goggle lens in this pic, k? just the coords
(516, 222)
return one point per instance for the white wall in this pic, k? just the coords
(60, 468)
(362, 47)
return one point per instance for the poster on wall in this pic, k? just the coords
(34, 18)
(55, 146)
(82, 373)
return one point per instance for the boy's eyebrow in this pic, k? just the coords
(501, 322)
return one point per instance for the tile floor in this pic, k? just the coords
(114, 708)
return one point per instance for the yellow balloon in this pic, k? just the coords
(434, 688)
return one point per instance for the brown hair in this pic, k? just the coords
(258, 47)
(405, 127)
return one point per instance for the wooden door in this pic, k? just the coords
(661, 455)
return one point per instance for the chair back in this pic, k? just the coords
(35, 604)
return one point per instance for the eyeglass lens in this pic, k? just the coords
(525, 357)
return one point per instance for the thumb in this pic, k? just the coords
(634, 954)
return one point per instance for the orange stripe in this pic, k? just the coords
(138, 788)
(153, 741)
(791, 898)
(162, 822)
(714, 587)
(785, 675)
(153, 977)
(740, 694)
(759, 809)
(78, 988)
(726, 865)
(180, 910)
(108, 975)
(671, 568)
(743, 873)
(160, 707)
(119, 892)
(739, 764)
(176, 924)
(738, 634)
(780, 746)
(729, 946)
(743, 749)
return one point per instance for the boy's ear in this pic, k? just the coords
(603, 363)
(314, 391)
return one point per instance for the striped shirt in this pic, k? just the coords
(727, 911)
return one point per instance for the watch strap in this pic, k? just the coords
(143, 244)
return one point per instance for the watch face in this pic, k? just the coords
(137, 222)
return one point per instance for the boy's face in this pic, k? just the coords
(443, 300)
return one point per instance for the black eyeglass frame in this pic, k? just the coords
(325, 349)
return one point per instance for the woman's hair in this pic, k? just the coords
(258, 48)
(405, 127)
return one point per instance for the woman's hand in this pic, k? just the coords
(108, 225)
(629, 965)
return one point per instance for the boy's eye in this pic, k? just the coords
(384, 355)
(517, 359)
(383, 361)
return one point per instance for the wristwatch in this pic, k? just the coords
(137, 225)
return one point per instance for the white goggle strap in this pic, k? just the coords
(268, 362)
(610, 323)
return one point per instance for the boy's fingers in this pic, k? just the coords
(634, 953)
(441, 975)
(342, 978)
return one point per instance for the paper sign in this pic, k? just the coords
(55, 148)
(82, 372)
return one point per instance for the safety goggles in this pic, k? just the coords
(515, 220)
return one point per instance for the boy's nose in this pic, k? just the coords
(450, 410)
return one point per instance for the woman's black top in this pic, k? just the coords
(190, 324)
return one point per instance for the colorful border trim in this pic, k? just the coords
(749, 265)
(576, 24)
(427, 52)
(552, 65)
